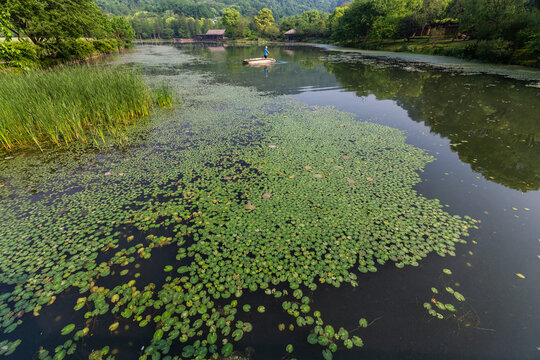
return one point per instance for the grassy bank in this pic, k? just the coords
(71, 104)
(493, 51)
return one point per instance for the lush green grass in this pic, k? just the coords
(72, 103)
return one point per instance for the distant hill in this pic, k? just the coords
(211, 8)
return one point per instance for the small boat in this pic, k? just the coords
(259, 61)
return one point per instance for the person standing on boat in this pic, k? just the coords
(266, 52)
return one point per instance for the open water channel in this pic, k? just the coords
(482, 130)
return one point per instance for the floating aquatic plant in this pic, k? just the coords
(439, 305)
(73, 222)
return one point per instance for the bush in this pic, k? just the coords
(469, 51)
(75, 49)
(22, 54)
(533, 45)
(403, 48)
(105, 45)
(250, 34)
(454, 51)
(497, 50)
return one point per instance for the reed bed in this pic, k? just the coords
(71, 103)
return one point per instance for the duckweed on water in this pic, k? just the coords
(224, 185)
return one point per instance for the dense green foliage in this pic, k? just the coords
(506, 30)
(231, 21)
(151, 25)
(210, 9)
(264, 22)
(55, 28)
(187, 18)
(311, 23)
(69, 104)
(46, 23)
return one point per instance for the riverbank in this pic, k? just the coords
(413, 61)
(491, 52)
(423, 62)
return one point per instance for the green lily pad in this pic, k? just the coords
(67, 329)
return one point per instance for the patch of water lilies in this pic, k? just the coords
(442, 303)
(319, 206)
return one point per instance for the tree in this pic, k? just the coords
(313, 23)
(491, 19)
(356, 21)
(264, 21)
(374, 19)
(193, 27)
(231, 20)
(432, 10)
(408, 26)
(206, 24)
(309, 23)
(122, 29)
(46, 22)
(5, 25)
(333, 19)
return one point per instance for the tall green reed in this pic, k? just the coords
(69, 104)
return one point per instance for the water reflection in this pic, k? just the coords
(491, 122)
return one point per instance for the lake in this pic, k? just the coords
(260, 129)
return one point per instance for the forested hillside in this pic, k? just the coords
(210, 9)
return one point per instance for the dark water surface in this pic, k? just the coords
(484, 131)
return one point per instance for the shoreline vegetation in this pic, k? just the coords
(421, 45)
(506, 32)
(76, 103)
(22, 54)
(53, 32)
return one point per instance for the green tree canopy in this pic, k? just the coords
(264, 20)
(432, 10)
(122, 29)
(5, 25)
(489, 19)
(231, 20)
(309, 23)
(375, 19)
(46, 22)
(333, 19)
